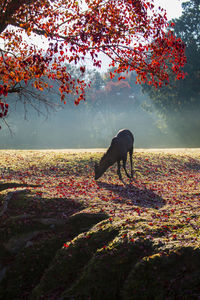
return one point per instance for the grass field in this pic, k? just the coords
(66, 236)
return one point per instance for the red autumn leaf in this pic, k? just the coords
(116, 29)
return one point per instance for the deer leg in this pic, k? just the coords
(118, 170)
(131, 161)
(124, 165)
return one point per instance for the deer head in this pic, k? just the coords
(102, 167)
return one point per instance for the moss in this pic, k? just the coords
(16, 226)
(30, 263)
(173, 275)
(70, 261)
(104, 275)
(83, 221)
(27, 268)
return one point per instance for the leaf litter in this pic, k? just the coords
(161, 203)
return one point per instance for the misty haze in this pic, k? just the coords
(88, 125)
(109, 106)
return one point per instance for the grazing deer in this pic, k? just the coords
(121, 144)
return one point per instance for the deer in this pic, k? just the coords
(120, 146)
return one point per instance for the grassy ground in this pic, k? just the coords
(66, 236)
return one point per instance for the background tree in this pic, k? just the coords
(131, 33)
(111, 104)
(179, 102)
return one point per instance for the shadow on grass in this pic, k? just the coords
(193, 165)
(9, 185)
(139, 197)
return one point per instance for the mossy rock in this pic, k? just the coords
(70, 260)
(27, 267)
(175, 275)
(83, 221)
(103, 277)
(15, 226)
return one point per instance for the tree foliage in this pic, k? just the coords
(179, 101)
(131, 33)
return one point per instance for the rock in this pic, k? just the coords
(51, 221)
(8, 197)
(20, 241)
